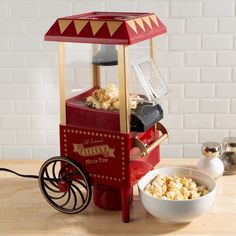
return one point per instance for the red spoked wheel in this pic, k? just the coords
(65, 185)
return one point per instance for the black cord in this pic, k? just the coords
(25, 176)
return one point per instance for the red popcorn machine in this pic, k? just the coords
(109, 121)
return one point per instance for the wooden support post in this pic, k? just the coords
(62, 83)
(124, 89)
(153, 48)
(96, 68)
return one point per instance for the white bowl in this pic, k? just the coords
(177, 211)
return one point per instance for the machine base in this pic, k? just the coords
(108, 198)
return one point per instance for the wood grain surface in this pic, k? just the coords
(23, 210)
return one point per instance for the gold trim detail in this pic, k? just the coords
(145, 150)
(63, 24)
(104, 177)
(103, 149)
(96, 25)
(131, 23)
(139, 21)
(113, 26)
(147, 20)
(154, 19)
(79, 25)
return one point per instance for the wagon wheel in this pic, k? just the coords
(65, 185)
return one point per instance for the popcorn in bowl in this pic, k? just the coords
(177, 211)
(175, 188)
(108, 99)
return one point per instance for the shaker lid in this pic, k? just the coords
(229, 144)
(211, 149)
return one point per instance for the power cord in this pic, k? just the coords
(25, 176)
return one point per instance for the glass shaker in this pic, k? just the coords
(229, 155)
(210, 163)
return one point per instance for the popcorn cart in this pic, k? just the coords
(109, 135)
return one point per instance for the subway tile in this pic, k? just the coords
(172, 121)
(27, 75)
(217, 42)
(86, 6)
(192, 151)
(45, 151)
(5, 75)
(121, 6)
(218, 8)
(226, 58)
(201, 25)
(199, 90)
(38, 26)
(181, 106)
(160, 8)
(31, 137)
(213, 135)
(185, 8)
(44, 122)
(225, 121)
(11, 26)
(184, 42)
(227, 25)
(174, 25)
(181, 136)
(12, 59)
(60, 9)
(7, 137)
(214, 106)
(169, 59)
(3, 9)
(171, 151)
(4, 43)
(184, 75)
(29, 107)
(15, 122)
(23, 9)
(198, 121)
(25, 42)
(226, 90)
(53, 137)
(199, 59)
(216, 74)
(52, 107)
(44, 91)
(16, 152)
(176, 91)
(234, 75)
(14, 91)
(6, 107)
(233, 106)
(42, 59)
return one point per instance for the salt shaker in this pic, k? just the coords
(228, 157)
(210, 163)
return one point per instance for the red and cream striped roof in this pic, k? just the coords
(106, 28)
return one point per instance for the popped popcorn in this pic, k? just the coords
(108, 99)
(175, 188)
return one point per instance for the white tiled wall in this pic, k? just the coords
(198, 55)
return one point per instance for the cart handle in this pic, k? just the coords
(146, 149)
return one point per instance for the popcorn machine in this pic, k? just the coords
(109, 134)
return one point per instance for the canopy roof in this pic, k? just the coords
(106, 28)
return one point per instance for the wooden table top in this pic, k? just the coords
(23, 210)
